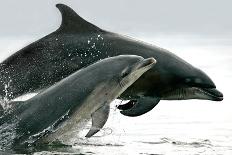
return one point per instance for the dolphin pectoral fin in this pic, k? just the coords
(99, 118)
(138, 107)
(72, 22)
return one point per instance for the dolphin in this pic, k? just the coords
(84, 94)
(78, 43)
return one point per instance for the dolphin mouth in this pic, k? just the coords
(213, 93)
(147, 63)
(201, 93)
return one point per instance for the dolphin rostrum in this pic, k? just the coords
(78, 43)
(84, 94)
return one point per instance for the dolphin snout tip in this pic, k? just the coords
(150, 61)
(220, 97)
(216, 94)
(147, 63)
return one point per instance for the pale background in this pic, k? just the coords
(199, 17)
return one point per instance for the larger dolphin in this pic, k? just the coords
(84, 94)
(78, 43)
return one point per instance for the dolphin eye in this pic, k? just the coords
(197, 80)
(125, 73)
(188, 80)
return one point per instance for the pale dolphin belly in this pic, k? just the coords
(69, 130)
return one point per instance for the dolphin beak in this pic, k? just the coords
(213, 93)
(147, 63)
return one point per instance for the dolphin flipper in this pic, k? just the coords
(99, 118)
(138, 107)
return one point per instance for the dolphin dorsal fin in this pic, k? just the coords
(72, 22)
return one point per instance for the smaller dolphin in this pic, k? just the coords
(84, 94)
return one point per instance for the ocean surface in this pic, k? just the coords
(173, 127)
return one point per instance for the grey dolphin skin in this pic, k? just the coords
(84, 94)
(78, 43)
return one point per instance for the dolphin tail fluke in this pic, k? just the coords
(99, 118)
(138, 107)
(72, 22)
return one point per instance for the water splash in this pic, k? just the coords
(197, 143)
(32, 139)
(7, 135)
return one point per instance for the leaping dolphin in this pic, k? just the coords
(84, 94)
(78, 43)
